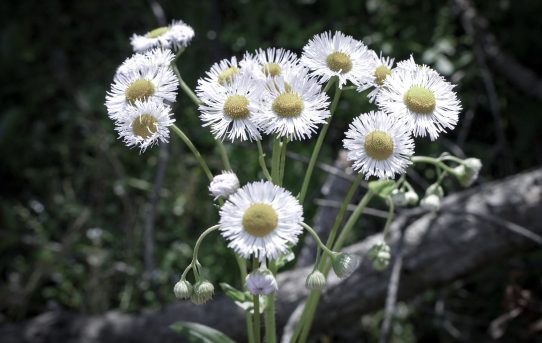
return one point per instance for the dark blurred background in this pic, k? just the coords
(75, 202)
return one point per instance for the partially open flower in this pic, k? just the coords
(174, 36)
(261, 282)
(224, 185)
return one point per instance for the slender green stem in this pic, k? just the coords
(342, 210)
(256, 304)
(261, 160)
(389, 219)
(248, 318)
(275, 164)
(192, 148)
(256, 320)
(329, 84)
(200, 240)
(307, 316)
(185, 87)
(434, 161)
(317, 239)
(223, 155)
(283, 160)
(318, 145)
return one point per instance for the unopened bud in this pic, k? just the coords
(183, 289)
(316, 281)
(380, 255)
(344, 264)
(203, 292)
(399, 198)
(411, 198)
(431, 200)
(467, 172)
(261, 282)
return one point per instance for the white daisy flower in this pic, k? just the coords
(261, 219)
(230, 111)
(422, 98)
(145, 123)
(411, 65)
(380, 68)
(379, 145)
(221, 73)
(174, 36)
(293, 105)
(337, 55)
(269, 62)
(138, 84)
(156, 57)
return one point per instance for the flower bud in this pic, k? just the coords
(399, 198)
(203, 292)
(468, 171)
(344, 264)
(224, 185)
(431, 200)
(315, 281)
(261, 282)
(411, 198)
(183, 289)
(380, 255)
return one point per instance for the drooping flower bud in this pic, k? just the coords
(261, 282)
(203, 292)
(399, 197)
(315, 281)
(412, 198)
(344, 264)
(380, 255)
(467, 172)
(224, 185)
(183, 289)
(431, 200)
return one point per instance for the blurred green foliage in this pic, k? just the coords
(74, 199)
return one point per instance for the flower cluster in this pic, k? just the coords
(145, 87)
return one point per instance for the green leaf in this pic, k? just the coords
(233, 293)
(382, 188)
(198, 333)
(285, 258)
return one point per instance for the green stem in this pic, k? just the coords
(311, 304)
(342, 210)
(256, 305)
(195, 151)
(256, 321)
(223, 155)
(317, 239)
(261, 160)
(269, 314)
(185, 87)
(194, 263)
(318, 145)
(248, 318)
(283, 160)
(434, 161)
(275, 164)
(389, 218)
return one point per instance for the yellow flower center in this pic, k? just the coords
(378, 145)
(420, 100)
(260, 220)
(288, 105)
(157, 32)
(381, 72)
(140, 89)
(271, 69)
(144, 126)
(339, 61)
(226, 76)
(236, 107)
